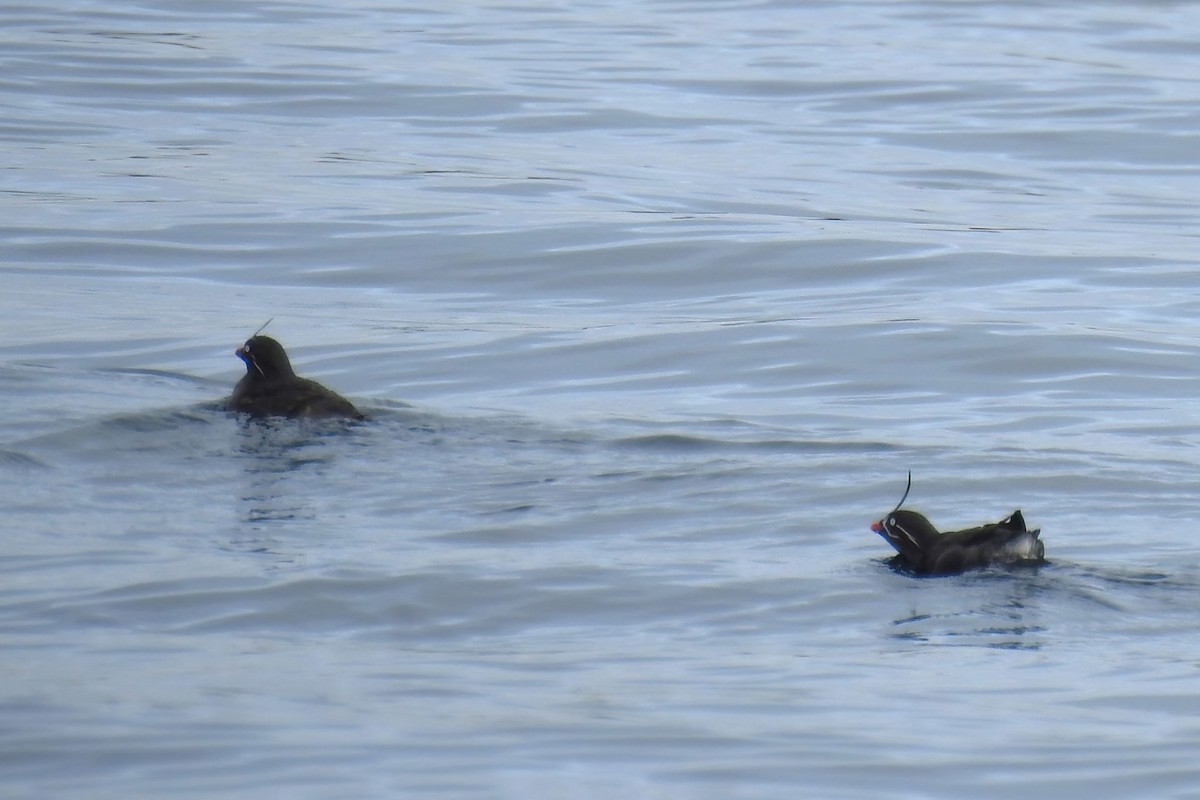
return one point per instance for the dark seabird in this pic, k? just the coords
(271, 388)
(925, 551)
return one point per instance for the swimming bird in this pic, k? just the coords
(271, 388)
(926, 551)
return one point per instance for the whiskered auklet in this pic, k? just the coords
(270, 388)
(925, 551)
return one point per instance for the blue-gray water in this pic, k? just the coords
(653, 306)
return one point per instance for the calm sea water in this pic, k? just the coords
(653, 306)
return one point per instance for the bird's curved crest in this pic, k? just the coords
(905, 497)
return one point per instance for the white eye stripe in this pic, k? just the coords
(891, 523)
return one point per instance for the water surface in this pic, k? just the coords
(653, 306)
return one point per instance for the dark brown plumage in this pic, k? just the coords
(925, 551)
(270, 388)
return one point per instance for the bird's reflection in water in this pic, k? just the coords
(280, 459)
(1000, 609)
